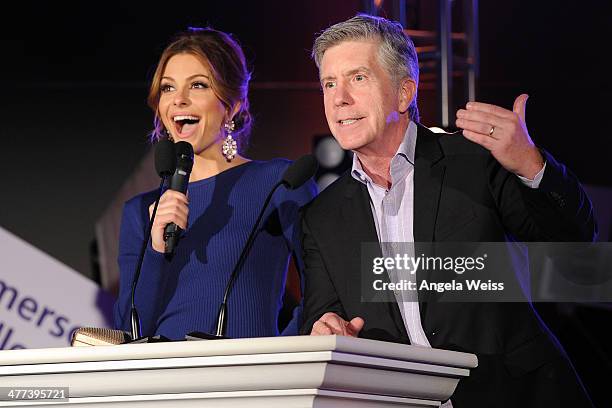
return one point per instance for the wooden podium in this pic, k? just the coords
(300, 371)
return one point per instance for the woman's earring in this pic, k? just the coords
(167, 134)
(229, 147)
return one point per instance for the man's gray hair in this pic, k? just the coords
(397, 53)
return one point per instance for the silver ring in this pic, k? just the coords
(492, 130)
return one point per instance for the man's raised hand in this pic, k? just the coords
(504, 134)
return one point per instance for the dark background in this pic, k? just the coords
(75, 121)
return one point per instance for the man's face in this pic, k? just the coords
(361, 101)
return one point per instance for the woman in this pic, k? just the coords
(199, 95)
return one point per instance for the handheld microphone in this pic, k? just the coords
(179, 182)
(165, 164)
(294, 177)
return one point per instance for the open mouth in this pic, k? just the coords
(185, 124)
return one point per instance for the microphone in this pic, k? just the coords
(165, 164)
(165, 158)
(97, 336)
(300, 171)
(179, 182)
(294, 177)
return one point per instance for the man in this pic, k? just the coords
(487, 183)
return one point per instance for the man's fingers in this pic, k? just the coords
(520, 106)
(320, 329)
(485, 141)
(330, 323)
(488, 108)
(477, 127)
(355, 326)
(507, 140)
(335, 322)
(483, 117)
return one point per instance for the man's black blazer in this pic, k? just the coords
(461, 193)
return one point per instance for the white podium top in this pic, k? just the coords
(235, 347)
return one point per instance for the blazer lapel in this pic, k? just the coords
(357, 213)
(428, 180)
(359, 222)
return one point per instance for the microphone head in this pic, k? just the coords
(97, 336)
(184, 156)
(165, 158)
(299, 171)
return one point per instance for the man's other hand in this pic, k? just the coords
(330, 323)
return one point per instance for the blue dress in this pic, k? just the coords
(182, 295)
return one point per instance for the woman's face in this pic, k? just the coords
(188, 107)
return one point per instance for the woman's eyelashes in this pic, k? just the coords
(200, 85)
(165, 88)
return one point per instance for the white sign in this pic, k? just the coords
(42, 301)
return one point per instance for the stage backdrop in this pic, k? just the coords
(42, 301)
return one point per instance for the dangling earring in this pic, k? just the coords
(165, 132)
(229, 147)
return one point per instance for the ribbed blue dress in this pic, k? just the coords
(176, 297)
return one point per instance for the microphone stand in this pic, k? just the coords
(221, 330)
(136, 328)
(222, 316)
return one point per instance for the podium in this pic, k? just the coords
(299, 371)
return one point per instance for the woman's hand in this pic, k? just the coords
(173, 207)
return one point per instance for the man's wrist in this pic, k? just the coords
(536, 180)
(534, 163)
